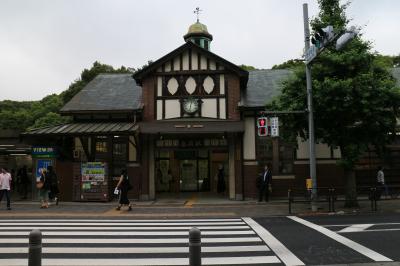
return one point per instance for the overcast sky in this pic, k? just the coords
(45, 44)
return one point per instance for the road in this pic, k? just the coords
(290, 240)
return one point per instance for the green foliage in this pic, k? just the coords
(248, 68)
(354, 95)
(34, 114)
(50, 119)
(387, 60)
(290, 64)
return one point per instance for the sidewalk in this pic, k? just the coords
(188, 206)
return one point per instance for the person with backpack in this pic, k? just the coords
(123, 187)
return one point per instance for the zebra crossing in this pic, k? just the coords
(76, 242)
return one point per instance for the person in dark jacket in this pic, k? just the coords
(123, 186)
(263, 182)
(220, 179)
(53, 179)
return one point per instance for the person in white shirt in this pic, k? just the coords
(380, 178)
(5, 181)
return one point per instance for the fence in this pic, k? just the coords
(332, 195)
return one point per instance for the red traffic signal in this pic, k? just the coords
(262, 129)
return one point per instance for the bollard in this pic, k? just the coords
(35, 248)
(194, 247)
(333, 200)
(289, 193)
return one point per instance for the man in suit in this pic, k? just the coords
(263, 183)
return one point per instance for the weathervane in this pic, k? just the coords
(197, 12)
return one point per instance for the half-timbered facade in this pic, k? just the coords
(174, 123)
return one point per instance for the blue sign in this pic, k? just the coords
(43, 152)
(40, 165)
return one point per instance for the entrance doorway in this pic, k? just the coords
(187, 170)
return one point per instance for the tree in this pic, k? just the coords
(88, 75)
(248, 68)
(49, 119)
(355, 98)
(290, 64)
(34, 114)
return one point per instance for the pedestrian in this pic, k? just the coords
(263, 183)
(220, 179)
(53, 179)
(5, 186)
(123, 186)
(380, 178)
(44, 187)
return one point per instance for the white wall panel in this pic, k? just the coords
(203, 62)
(159, 109)
(194, 61)
(222, 84)
(185, 61)
(209, 108)
(177, 63)
(322, 151)
(337, 153)
(213, 65)
(159, 86)
(222, 108)
(167, 66)
(172, 109)
(249, 139)
(302, 149)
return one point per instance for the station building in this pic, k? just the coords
(173, 124)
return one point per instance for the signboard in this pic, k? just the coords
(44, 152)
(274, 126)
(93, 172)
(310, 54)
(40, 165)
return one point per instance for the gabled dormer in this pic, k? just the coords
(191, 83)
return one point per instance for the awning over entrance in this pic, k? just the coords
(85, 129)
(191, 127)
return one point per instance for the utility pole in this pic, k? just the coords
(310, 110)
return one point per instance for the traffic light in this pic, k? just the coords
(262, 128)
(322, 36)
(346, 37)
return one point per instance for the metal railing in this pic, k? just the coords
(332, 195)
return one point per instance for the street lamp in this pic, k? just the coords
(323, 37)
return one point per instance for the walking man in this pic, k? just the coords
(5, 182)
(263, 184)
(380, 179)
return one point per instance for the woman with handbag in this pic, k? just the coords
(44, 186)
(122, 187)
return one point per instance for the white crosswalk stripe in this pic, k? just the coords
(134, 242)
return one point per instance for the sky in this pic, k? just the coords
(45, 44)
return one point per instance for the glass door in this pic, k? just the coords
(188, 173)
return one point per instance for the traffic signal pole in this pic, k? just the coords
(310, 110)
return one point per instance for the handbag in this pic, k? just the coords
(39, 185)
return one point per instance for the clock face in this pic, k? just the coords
(190, 105)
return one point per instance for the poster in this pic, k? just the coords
(41, 164)
(93, 172)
